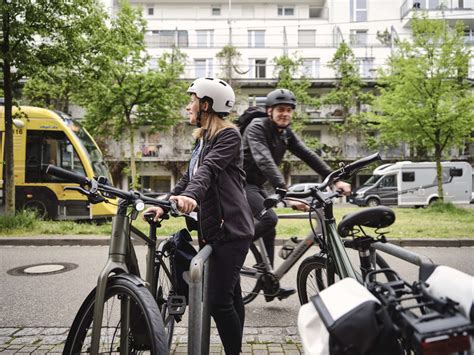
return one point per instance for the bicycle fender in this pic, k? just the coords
(132, 278)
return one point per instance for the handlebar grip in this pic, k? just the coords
(358, 164)
(67, 175)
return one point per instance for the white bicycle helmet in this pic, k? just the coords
(222, 95)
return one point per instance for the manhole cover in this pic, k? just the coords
(42, 269)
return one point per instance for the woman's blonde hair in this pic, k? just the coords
(212, 124)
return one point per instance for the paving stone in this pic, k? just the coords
(251, 330)
(292, 352)
(29, 332)
(289, 347)
(260, 352)
(180, 331)
(28, 349)
(4, 340)
(247, 339)
(7, 331)
(291, 330)
(53, 339)
(55, 331)
(259, 346)
(270, 331)
(8, 352)
(15, 346)
(58, 348)
(27, 340)
(270, 338)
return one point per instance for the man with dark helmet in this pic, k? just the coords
(265, 141)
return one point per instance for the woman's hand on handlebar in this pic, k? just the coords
(157, 211)
(343, 187)
(297, 205)
(185, 204)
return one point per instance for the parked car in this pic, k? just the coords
(303, 187)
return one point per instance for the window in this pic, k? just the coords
(49, 147)
(216, 10)
(310, 67)
(258, 68)
(316, 134)
(203, 67)
(256, 38)
(389, 181)
(151, 11)
(255, 100)
(358, 10)
(366, 67)
(306, 38)
(455, 172)
(408, 176)
(169, 38)
(286, 10)
(205, 38)
(358, 38)
(317, 12)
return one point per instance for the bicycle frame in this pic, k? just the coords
(122, 259)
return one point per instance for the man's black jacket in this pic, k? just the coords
(264, 148)
(218, 187)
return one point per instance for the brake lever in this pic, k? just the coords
(92, 197)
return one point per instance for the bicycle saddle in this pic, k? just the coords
(375, 217)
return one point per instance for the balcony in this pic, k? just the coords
(438, 8)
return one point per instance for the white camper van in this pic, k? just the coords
(414, 184)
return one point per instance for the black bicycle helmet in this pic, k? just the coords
(280, 97)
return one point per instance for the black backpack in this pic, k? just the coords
(249, 114)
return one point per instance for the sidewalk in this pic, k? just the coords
(48, 340)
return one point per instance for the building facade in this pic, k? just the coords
(261, 31)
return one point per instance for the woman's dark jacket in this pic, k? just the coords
(264, 147)
(218, 187)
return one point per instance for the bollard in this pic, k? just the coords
(199, 322)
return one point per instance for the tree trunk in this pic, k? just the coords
(8, 175)
(439, 172)
(133, 165)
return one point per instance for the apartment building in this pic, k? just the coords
(262, 31)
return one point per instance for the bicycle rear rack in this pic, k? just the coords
(430, 325)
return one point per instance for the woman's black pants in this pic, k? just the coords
(225, 296)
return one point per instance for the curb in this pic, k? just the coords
(94, 240)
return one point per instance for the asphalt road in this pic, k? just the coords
(53, 300)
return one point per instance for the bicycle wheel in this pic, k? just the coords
(164, 288)
(146, 331)
(249, 275)
(313, 277)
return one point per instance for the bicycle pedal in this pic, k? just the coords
(176, 305)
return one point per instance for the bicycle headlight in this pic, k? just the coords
(139, 205)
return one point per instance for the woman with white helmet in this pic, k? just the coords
(215, 181)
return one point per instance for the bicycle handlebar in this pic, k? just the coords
(94, 185)
(318, 191)
(67, 175)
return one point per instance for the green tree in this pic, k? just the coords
(348, 91)
(287, 70)
(125, 95)
(425, 98)
(35, 35)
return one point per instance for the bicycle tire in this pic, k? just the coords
(164, 287)
(319, 279)
(249, 284)
(146, 331)
(312, 277)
